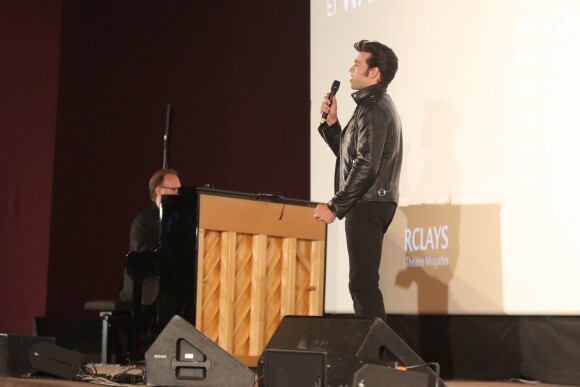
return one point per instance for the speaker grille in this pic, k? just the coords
(282, 367)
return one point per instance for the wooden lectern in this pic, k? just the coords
(259, 258)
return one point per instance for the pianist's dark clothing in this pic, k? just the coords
(144, 237)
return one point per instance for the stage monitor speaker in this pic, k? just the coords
(183, 356)
(14, 350)
(327, 351)
(56, 361)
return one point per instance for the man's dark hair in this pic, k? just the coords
(157, 179)
(382, 57)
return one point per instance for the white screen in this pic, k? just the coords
(488, 93)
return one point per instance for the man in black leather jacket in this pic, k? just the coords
(368, 153)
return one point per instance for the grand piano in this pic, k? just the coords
(237, 263)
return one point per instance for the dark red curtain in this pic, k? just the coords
(29, 46)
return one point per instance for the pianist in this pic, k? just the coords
(145, 232)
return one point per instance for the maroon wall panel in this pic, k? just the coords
(29, 49)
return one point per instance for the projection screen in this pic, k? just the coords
(488, 93)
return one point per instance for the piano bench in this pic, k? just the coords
(106, 309)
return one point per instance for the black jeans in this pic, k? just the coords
(366, 225)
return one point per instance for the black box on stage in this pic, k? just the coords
(183, 356)
(14, 351)
(56, 361)
(331, 351)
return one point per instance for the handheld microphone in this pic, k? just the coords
(333, 90)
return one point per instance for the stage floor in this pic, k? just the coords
(473, 383)
(46, 382)
(116, 369)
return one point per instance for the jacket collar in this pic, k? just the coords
(360, 95)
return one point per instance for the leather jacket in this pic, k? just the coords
(368, 152)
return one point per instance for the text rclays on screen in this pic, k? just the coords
(422, 239)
